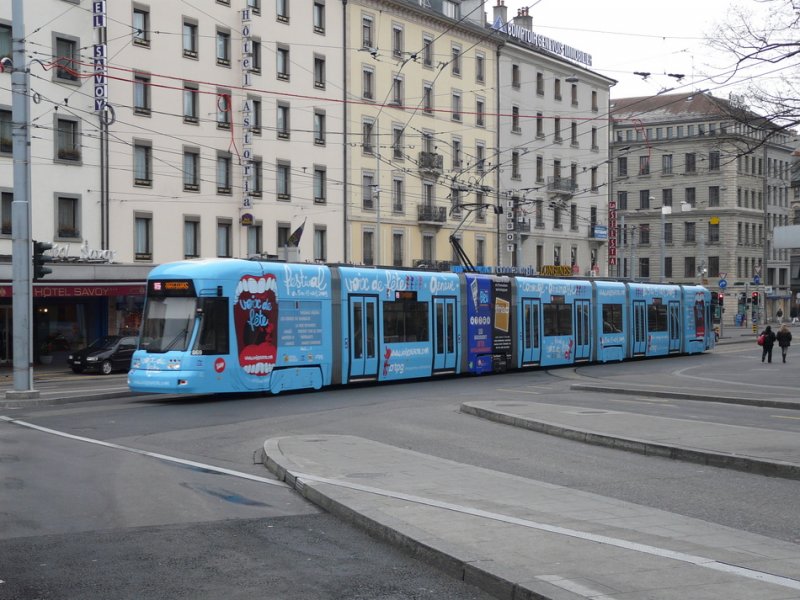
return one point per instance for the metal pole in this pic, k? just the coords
(378, 262)
(22, 302)
(663, 242)
(621, 247)
(746, 296)
(762, 309)
(703, 270)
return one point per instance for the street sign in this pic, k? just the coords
(723, 283)
(756, 279)
(723, 275)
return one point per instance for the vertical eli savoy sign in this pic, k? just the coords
(99, 55)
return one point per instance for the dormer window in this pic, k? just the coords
(451, 9)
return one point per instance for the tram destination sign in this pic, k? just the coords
(171, 287)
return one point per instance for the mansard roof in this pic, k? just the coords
(684, 107)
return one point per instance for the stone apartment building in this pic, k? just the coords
(553, 152)
(420, 80)
(698, 184)
(378, 129)
(161, 131)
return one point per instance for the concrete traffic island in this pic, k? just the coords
(749, 449)
(523, 539)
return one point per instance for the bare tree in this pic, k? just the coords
(765, 46)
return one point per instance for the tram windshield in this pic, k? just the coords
(167, 324)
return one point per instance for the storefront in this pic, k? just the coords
(69, 313)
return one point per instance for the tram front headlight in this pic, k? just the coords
(136, 363)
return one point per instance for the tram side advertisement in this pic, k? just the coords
(255, 316)
(488, 326)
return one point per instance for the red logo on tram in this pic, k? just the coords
(219, 365)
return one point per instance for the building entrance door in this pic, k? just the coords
(6, 343)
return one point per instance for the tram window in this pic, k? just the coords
(358, 342)
(439, 329)
(612, 318)
(451, 328)
(527, 323)
(213, 335)
(656, 318)
(371, 330)
(167, 324)
(557, 319)
(405, 321)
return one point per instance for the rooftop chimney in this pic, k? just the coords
(523, 19)
(501, 12)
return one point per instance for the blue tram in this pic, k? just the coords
(229, 325)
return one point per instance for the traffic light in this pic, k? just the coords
(39, 259)
(755, 297)
(721, 298)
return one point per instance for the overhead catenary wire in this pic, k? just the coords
(382, 109)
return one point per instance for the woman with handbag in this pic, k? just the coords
(784, 338)
(768, 343)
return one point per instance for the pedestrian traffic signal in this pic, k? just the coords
(755, 297)
(39, 259)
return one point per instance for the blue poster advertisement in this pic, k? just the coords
(480, 313)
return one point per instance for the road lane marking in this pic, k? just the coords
(156, 455)
(574, 587)
(756, 382)
(660, 402)
(517, 391)
(784, 417)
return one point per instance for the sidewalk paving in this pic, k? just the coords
(522, 539)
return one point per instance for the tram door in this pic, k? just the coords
(363, 336)
(531, 332)
(583, 345)
(444, 327)
(639, 327)
(674, 315)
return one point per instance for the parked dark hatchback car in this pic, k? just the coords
(105, 354)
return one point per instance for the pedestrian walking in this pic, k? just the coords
(784, 337)
(779, 315)
(769, 342)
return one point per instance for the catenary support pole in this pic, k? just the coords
(22, 301)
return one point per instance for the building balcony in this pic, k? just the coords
(523, 226)
(561, 186)
(431, 215)
(432, 265)
(431, 164)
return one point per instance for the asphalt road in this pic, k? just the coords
(81, 520)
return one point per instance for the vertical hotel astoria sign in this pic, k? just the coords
(247, 112)
(100, 56)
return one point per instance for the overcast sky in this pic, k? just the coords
(624, 36)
